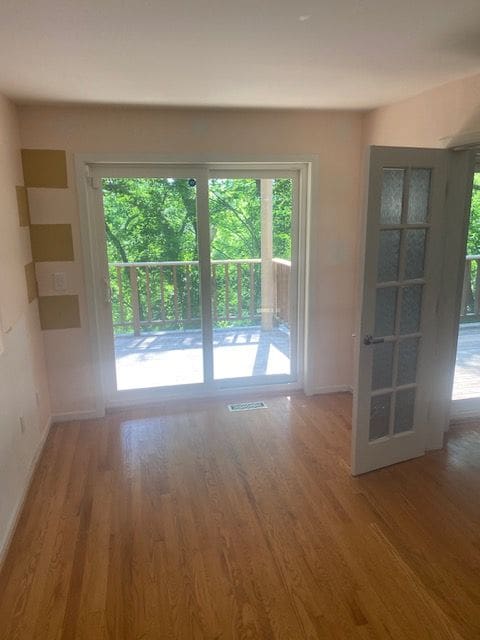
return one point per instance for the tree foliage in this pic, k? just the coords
(155, 220)
(473, 243)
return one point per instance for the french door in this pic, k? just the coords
(403, 355)
(199, 282)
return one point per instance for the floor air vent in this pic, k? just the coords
(247, 406)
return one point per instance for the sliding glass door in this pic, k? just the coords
(153, 272)
(200, 276)
(251, 261)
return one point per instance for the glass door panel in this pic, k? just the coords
(251, 261)
(398, 309)
(153, 266)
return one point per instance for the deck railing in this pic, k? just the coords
(281, 287)
(166, 295)
(470, 307)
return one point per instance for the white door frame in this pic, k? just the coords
(454, 268)
(93, 246)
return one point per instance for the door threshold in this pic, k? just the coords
(158, 397)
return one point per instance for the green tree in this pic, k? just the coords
(473, 239)
(473, 243)
(155, 220)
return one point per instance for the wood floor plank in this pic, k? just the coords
(188, 522)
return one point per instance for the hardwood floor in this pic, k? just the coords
(198, 523)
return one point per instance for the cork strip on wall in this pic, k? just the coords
(44, 168)
(23, 207)
(51, 242)
(59, 312)
(31, 280)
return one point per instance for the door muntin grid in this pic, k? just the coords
(403, 227)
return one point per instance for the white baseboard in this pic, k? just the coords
(12, 525)
(89, 414)
(340, 388)
(149, 397)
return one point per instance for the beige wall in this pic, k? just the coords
(435, 118)
(338, 138)
(22, 369)
(334, 136)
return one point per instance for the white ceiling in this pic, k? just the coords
(225, 53)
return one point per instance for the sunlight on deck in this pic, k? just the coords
(467, 368)
(172, 358)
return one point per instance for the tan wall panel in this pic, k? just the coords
(31, 279)
(59, 312)
(23, 208)
(44, 168)
(51, 242)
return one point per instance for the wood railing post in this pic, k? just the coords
(239, 291)
(227, 293)
(135, 301)
(119, 271)
(175, 292)
(282, 269)
(148, 294)
(266, 192)
(252, 292)
(276, 304)
(162, 296)
(476, 301)
(214, 292)
(467, 288)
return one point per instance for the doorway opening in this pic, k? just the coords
(466, 384)
(167, 324)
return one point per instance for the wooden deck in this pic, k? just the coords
(467, 369)
(175, 357)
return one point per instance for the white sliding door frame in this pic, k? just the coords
(89, 170)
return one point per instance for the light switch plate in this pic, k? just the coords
(60, 281)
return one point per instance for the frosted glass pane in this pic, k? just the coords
(407, 361)
(404, 410)
(411, 309)
(379, 416)
(415, 253)
(418, 195)
(385, 308)
(392, 196)
(388, 255)
(382, 368)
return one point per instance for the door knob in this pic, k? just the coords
(368, 339)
